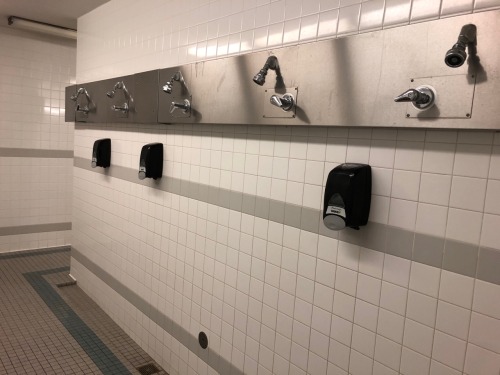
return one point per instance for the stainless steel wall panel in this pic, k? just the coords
(179, 92)
(146, 97)
(349, 81)
(99, 102)
(69, 110)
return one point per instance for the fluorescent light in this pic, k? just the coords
(42, 27)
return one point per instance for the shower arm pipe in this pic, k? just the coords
(272, 63)
(467, 35)
(121, 86)
(81, 90)
(179, 78)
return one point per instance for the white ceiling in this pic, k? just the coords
(57, 12)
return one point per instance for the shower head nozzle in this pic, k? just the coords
(260, 77)
(456, 56)
(110, 94)
(271, 63)
(168, 87)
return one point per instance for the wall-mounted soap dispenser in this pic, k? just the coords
(101, 154)
(347, 196)
(151, 161)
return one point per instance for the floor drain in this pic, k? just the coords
(148, 369)
(69, 283)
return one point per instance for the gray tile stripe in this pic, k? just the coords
(35, 153)
(96, 349)
(35, 228)
(34, 252)
(452, 255)
(211, 358)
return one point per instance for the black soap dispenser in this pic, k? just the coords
(101, 154)
(347, 196)
(151, 162)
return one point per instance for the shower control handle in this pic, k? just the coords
(286, 102)
(185, 106)
(124, 108)
(421, 97)
(84, 109)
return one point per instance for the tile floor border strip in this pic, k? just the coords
(431, 250)
(34, 252)
(34, 228)
(7, 152)
(211, 358)
(98, 352)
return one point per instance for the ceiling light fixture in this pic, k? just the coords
(42, 27)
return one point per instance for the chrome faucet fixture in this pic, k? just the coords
(185, 106)
(125, 107)
(286, 102)
(85, 109)
(456, 56)
(119, 86)
(176, 77)
(422, 97)
(271, 63)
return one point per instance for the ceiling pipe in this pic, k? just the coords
(42, 27)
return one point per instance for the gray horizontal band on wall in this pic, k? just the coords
(35, 153)
(211, 358)
(35, 228)
(34, 252)
(452, 255)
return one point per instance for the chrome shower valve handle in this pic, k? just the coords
(185, 106)
(124, 108)
(286, 102)
(421, 97)
(85, 109)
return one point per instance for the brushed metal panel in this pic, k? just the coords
(271, 111)
(454, 95)
(339, 79)
(348, 81)
(227, 94)
(145, 95)
(97, 94)
(69, 105)
(119, 99)
(179, 93)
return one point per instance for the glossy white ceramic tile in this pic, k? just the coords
(451, 7)
(422, 10)
(435, 188)
(348, 20)
(274, 298)
(397, 13)
(372, 15)
(35, 190)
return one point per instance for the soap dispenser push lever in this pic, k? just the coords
(421, 97)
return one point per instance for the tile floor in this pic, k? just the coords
(49, 326)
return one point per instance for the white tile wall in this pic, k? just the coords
(32, 83)
(168, 33)
(273, 298)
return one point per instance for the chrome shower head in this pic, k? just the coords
(176, 77)
(168, 87)
(271, 63)
(110, 94)
(456, 56)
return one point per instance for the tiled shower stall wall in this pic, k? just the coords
(36, 145)
(230, 242)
